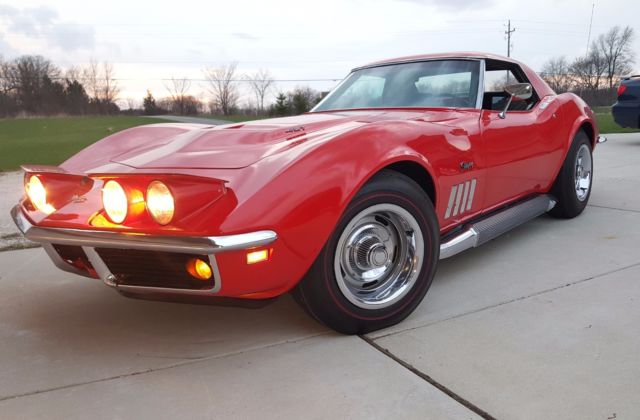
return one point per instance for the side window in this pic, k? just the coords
(496, 80)
(498, 75)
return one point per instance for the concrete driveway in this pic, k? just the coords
(543, 323)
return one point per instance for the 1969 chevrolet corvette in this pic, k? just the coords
(349, 206)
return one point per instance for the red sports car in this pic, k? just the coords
(349, 206)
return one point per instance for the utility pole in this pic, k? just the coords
(508, 33)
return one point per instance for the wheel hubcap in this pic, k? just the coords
(378, 256)
(583, 172)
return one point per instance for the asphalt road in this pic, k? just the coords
(541, 323)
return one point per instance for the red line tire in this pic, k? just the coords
(379, 262)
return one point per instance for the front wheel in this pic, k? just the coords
(572, 187)
(379, 262)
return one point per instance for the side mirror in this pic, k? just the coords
(521, 91)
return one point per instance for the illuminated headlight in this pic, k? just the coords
(38, 195)
(160, 202)
(114, 201)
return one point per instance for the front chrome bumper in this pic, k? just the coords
(91, 239)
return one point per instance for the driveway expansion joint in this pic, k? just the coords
(186, 361)
(613, 208)
(506, 302)
(450, 393)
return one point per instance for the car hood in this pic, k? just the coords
(232, 146)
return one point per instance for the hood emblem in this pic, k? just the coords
(295, 129)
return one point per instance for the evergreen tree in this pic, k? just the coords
(281, 107)
(149, 104)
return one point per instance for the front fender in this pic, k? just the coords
(302, 194)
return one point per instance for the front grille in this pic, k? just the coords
(153, 268)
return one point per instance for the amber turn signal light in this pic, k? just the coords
(257, 256)
(199, 269)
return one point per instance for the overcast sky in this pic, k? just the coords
(296, 40)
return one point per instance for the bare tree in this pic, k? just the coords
(132, 104)
(101, 84)
(91, 77)
(261, 82)
(110, 89)
(178, 90)
(615, 48)
(73, 73)
(223, 86)
(587, 72)
(556, 73)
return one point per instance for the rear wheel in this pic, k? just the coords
(379, 262)
(572, 187)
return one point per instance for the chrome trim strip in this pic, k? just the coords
(60, 263)
(108, 239)
(90, 240)
(480, 93)
(467, 239)
(109, 279)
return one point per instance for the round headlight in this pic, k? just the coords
(38, 195)
(114, 201)
(160, 202)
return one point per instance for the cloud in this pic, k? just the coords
(452, 5)
(6, 50)
(245, 36)
(43, 24)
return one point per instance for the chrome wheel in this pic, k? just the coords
(378, 256)
(582, 174)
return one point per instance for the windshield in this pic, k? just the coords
(426, 84)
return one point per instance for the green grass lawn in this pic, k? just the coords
(606, 123)
(50, 141)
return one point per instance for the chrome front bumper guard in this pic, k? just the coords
(91, 239)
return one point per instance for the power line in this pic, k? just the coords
(84, 79)
(593, 7)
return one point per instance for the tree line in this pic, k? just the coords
(595, 75)
(223, 84)
(33, 85)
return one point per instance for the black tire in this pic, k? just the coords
(569, 205)
(319, 292)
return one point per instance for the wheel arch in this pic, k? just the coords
(417, 173)
(589, 130)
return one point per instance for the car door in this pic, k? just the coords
(521, 149)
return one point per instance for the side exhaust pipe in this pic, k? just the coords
(493, 226)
